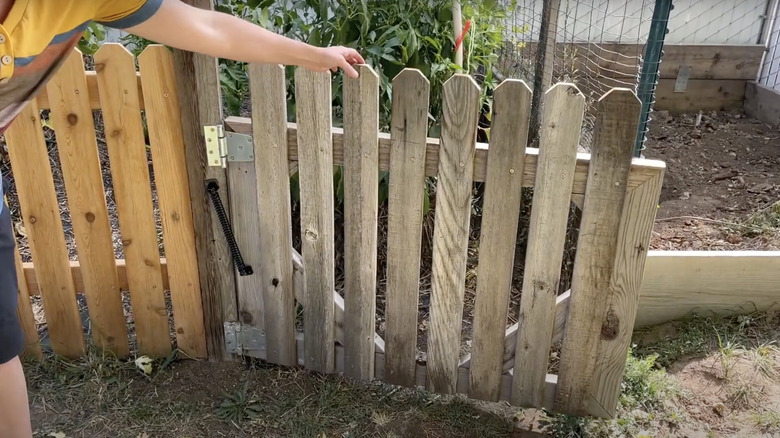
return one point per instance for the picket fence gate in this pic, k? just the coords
(594, 320)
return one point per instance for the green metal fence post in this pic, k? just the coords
(650, 67)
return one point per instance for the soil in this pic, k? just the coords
(719, 175)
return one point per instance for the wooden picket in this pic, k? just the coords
(78, 154)
(115, 90)
(120, 101)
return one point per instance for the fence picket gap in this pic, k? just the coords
(408, 130)
(361, 194)
(269, 115)
(117, 82)
(460, 111)
(167, 144)
(78, 152)
(592, 281)
(315, 167)
(41, 213)
(559, 137)
(500, 215)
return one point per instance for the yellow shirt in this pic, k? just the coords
(37, 35)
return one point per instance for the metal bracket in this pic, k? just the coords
(681, 84)
(222, 147)
(244, 340)
(239, 147)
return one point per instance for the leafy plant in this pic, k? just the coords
(91, 39)
(239, 406)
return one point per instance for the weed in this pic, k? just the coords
(744, 395)
(238, 406)
(768, 421)
(763, 357)
(643, 385)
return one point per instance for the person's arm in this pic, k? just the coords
(181, 26)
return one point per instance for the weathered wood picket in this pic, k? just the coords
(594, 320)
(336, 332)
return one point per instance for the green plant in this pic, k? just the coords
(91, 39)
(239, 406)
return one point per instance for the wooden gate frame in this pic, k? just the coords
(609, 334)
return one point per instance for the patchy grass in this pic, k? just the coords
(101, 396)
(713, 377)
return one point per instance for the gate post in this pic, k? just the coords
(201, 105)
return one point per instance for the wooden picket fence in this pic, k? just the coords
(594, 320)
(71, 96)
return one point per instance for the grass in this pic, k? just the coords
(101, 396)
(652, 403)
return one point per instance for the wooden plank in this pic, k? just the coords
(563, 113)
(78, 153)
(411, 96)
(361, 210)
(167, 144)
(680, 283)
(41, 215)
(595, 262)
(315, 170)
(451, 230)
(201, 105)
(700, 94)
(32, 342)
(500, 215)
(705, 61)
(762, 103)
(641, 169)
(93, 89)
(634, 234)
(34, 288)
(244, 214)
(338, 304)
(269, 110)
(132, 188)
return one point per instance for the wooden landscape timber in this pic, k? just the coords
(716, 74)
(762, 103)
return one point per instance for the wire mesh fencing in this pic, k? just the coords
(769, 74)
(601, 44)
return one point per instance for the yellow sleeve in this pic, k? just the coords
(122, 14)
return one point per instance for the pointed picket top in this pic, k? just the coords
(154, 50)
(365, 69)
(410, 75)
(461, 83)
(108, 51)
(620, 96)
(516, 85)
(565, 87)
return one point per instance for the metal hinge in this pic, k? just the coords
(223, 147)
(244, 340)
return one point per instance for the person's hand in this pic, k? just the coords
(333, 58)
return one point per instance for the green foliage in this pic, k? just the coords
(91, 39)
(239, 406)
